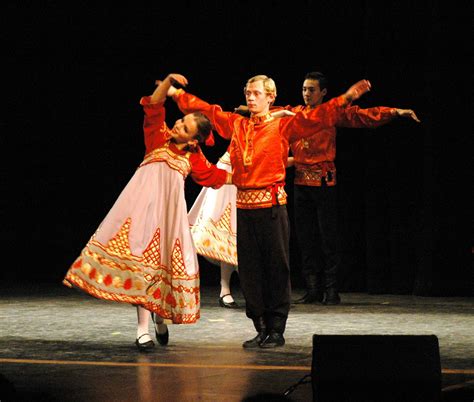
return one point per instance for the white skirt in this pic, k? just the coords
(143, 253)
(213, 221)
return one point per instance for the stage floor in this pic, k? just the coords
(58, 344)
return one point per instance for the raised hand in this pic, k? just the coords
(357, 90)
(165, 87)
(177, 78)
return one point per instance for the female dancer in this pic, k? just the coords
(143, 253)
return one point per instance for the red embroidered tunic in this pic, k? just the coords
(314, 155)
(160, 148)
(259, 145)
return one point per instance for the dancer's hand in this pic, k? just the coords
(282, 113)
(173, 79)
(407, 113)
(177, 78)
(357, 90)
(163, 87)
(171, 91)
(243, 110)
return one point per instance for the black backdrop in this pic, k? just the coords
(71, 139)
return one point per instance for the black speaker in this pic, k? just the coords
(376, 368)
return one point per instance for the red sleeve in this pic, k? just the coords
(305, 123)
(154, 126)
(205, 173)
(295, 109)
(221, 121)
(353, 116)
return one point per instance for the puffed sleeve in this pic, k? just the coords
(221, 121)
(305, 123)
(154, 127)
(204, 172)
(356, 117)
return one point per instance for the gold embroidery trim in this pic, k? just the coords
(308, 177)
(176, 162)
(259, 198)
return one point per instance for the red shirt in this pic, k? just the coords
(259, 145)
(314, 156)
(159, 148)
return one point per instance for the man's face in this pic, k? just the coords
(312, 94)
(258, 101)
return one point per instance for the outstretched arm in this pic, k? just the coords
(364, 86)
(221, 121)
(159, 95)
(282, 113)
(355, 117)
(303, 123)
(243, 110)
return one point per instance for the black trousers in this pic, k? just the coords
(315, 212)
(264, 269)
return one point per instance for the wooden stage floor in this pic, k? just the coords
(58, 344)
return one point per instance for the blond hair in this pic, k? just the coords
(268, 84)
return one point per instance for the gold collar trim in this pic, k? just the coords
(261, 119)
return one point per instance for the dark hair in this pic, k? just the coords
(317, 76)
(204, 127)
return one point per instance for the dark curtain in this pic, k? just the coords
(414, 180)
(73, 134)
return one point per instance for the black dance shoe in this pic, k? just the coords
(145, 346)
(310, 297)
(255, 342)
(161, 338)
(331, 297)
(224, 304)
(273, 340)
